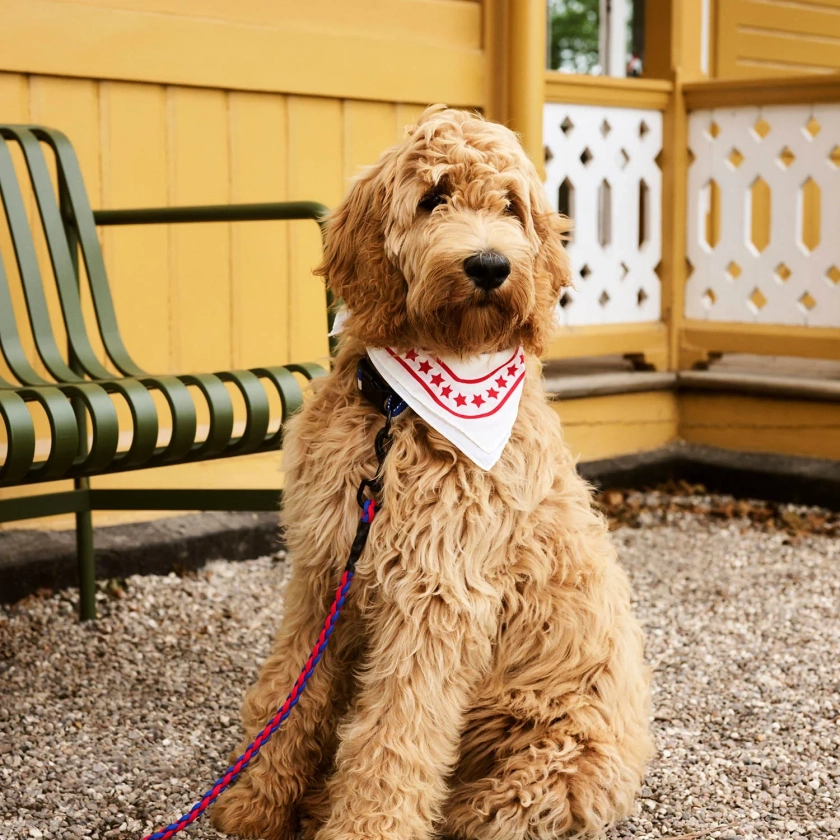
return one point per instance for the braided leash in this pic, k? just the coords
(392, 407)
(231, 774)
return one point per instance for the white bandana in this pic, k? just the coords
(473, 402)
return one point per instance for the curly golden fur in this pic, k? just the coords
(486, 680)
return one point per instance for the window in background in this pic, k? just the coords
(597, 37)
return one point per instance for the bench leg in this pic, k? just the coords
(84, 519)
(84, 556)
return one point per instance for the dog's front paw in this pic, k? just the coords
(512, 808)
(242, 812)
(364, 829)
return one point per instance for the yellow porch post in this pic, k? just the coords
(673, 38)
(673, 51)
(526, 75)
(673, 271)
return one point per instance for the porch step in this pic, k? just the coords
(569, 387)
(764, 385)
(780, 377)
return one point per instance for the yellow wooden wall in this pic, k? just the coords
(748, 39)
(385, 50)
(178, 102)
(760, 38)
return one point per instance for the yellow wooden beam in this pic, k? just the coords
(648, 340)
(714, 38)
(607, 91)
(674, 163)
(621, 424)
(672, 38)
(496, 47)
(758, 424)
(401, 51)
(735, 93)
(763, 339)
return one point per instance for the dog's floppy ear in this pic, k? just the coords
(551, 268)
(355, 262)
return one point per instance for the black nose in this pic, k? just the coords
(487, 269)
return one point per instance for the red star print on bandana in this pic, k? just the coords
(451, 391)
(472, 402)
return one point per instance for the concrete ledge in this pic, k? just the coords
(31, 560)
(572, 386)
(603, 384)
(758, 475)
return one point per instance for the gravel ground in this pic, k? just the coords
(111, 729)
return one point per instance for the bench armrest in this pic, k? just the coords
(279, 210)
(271, 211)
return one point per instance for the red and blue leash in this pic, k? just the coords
(391, 405)
(232, 773)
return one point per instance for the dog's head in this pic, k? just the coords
(448, 243)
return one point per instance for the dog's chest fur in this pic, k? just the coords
(488, 544)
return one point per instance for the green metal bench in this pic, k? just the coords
(80, 386)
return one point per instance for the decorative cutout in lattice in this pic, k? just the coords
(602, 171)
(810, 199)
(763, 232)
(807, 302)
(761, 128)
(756, 300)
(783, 272)
(710, 218)
(786, 157)
(735, 158)
(758, 205)
(733, 270)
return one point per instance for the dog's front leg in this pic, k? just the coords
(401, 739)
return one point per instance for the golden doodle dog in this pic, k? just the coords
(486, 679)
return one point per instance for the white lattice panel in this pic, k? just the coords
(791, 275)
(606, 157)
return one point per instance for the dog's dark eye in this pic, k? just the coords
(514, 208)
(432, 200)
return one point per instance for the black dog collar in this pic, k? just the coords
(377, 391)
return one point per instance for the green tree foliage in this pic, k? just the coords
(574, 35)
